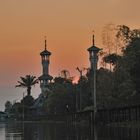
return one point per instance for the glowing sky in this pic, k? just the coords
(68, 25)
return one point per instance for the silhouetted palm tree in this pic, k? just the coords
(27, 82)
(111, 58)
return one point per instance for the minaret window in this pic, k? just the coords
(43, 57)
(46, 57)
(91, 54)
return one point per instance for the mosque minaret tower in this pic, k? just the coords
(45, 78)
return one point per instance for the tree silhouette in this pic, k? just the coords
(111, 58)
(27, 82)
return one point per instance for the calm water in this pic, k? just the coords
(51, 131)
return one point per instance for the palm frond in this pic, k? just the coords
(24, 80)
(27, 82)
(21, 83)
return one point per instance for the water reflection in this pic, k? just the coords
(43, 131)
(2, 131)
(57, 131)
(13, 131)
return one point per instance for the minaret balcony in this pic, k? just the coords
(45, 77)
(42, 85)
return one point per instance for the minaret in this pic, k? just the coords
(93, 58)
(45, 77)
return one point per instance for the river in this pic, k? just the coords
(58, 131)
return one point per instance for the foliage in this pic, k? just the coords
(126, 72)
(104, 87)
(8, 106)
(17, 110)
(124, 78)
(62, 97)
(108, 37)
(132, 53)
(126, 35)
(28, 101)
(111, 58)
(27, 82)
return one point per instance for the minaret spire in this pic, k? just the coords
(93, 40)
(45, 43)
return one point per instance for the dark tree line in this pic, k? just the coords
(125, 75)
(118, 86)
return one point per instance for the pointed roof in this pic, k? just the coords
(45, 52)
(93, 47)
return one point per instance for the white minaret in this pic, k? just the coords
(93, 58)
(45, 77)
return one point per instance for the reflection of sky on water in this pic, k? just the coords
(13, 136)
(2, 131)
(13, 131)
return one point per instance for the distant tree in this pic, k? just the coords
(65, 74)
(108, 37)
(115, 39)
(8, 106)
(125, 35)
(112, 44)
(83, 88)
(127, 71)
(125, 75)
(132, 55)
(27, 82)
(61, 80)
(28, 101)
(104, 88)
(62, 97)
(17, 110)
(111, 59)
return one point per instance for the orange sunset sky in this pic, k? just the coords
(68, 25)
